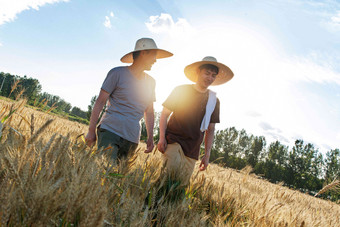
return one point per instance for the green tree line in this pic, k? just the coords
(302, 167)
(13, 86)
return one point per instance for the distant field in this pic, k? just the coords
(48, 177)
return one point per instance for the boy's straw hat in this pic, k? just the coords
(146, 44)
(224, 72)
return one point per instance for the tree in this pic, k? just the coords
(54, 100)
(3, 78)
(78, 112)
(225, 144)
(90, 107)
(217, 147)
(32, 88)
(257, 149)
(244, 144)
(273, 166)
(67, 107)
(7, 81)
(332, 164)
(332, 173)
(62, 105)
(303, 166)
(144, 134)
(11, 86)
(278, 153)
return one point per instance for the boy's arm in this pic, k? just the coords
(162, 144)
(97, 108)
(209, 139)
(149, 117)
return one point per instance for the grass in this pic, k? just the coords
(48, 177)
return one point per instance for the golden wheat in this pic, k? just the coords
(48, 177)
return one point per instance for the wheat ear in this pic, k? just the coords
(334, 186)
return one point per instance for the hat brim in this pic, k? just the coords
(224, 72)
(127, 58)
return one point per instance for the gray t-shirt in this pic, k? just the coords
(129, 98)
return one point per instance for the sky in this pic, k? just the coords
(285, 55)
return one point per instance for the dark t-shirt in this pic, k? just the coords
(188, 109)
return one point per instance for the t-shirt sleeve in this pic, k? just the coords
(153, 91)
(171, 101)
(215, 116)
(110, 81)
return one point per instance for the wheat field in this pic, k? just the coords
(48, 177)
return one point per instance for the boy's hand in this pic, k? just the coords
(149, 145)
(162, 144)
(90, 138)
(204, 163)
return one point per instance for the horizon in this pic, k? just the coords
(285, 56)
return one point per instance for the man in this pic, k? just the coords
(130, 93)
(195, 110)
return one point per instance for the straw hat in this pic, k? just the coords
(224, 73)
(145, 44)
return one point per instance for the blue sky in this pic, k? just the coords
(285, 55)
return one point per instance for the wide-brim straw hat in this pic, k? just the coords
(224, 72)
(146, 44)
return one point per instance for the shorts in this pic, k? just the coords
(120, 147)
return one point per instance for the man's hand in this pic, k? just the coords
(162, 144)
(204, 163)
(149, 145)
(90, 138)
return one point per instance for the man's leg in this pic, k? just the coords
(126, 148)
(108, 139)
(177, 164)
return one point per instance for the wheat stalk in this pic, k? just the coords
(14, 86)
(333, 186)
(40, 130)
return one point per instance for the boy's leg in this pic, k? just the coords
(108, 139)
(177, 164)
(126, 148)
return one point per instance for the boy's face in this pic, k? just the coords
(206, 77)
(149, 57)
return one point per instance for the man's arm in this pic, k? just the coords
(97, 108)
(149, 117)
(162, 144)
(209, 139)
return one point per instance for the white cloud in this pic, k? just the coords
(336, 19)
(304, 69)
(107, 22)
(332, 22)
(0, 44)
(266, 126)
(9, 9)
(165, 24)
(274, 136)
(253, 113)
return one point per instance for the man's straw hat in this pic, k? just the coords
(145, 44)
(224, 73)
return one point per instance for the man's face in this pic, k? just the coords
(149, 57)
(206, 77)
